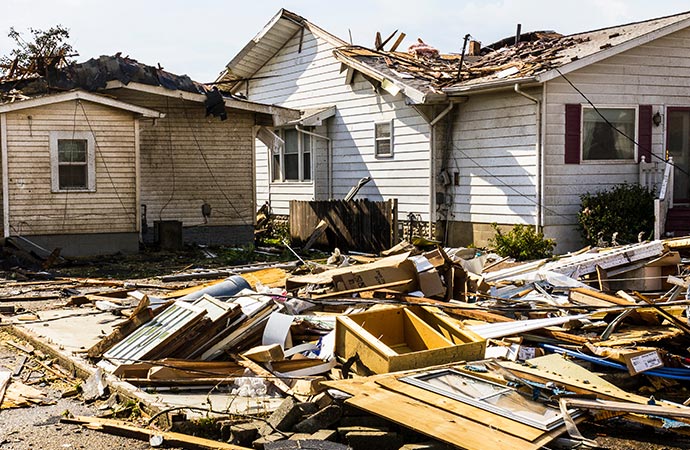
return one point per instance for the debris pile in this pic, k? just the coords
(483, 347)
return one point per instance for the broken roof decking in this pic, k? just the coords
(537, 61)
(113, 72)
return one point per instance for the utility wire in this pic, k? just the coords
(208, 166)
(105, 165)
(621, 132)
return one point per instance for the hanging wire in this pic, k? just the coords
(105, 165)
(621, 132)
(208, 166)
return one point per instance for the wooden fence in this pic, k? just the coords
(359, 225)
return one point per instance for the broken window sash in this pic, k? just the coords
(489, 396)
(270, 139)
(600, 141)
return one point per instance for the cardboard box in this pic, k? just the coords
(642, 361)
(378, 274)
(430, 283)
(403, 338)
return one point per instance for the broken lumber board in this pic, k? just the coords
(595, 298)
(668, 316)
(169, 438)
(439, 424)
(33, 298)
(4, 381)
(459, 408)
(362, 289)
(468, 311)
(635, 408)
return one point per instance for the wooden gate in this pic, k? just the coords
(359, 225)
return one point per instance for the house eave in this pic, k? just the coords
(80, 95)
(612, 51)
(489, 86)
(243, 105)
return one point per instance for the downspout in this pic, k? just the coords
(329, 156)
(5, 177)
(538, 150)
(432, 165)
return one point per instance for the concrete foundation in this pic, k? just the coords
(211, 235)
(79, 245)
(464, 234)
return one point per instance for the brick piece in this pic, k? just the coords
(287, 415)
(321, 419)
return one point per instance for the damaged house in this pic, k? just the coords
(101, 155)
(511, 133)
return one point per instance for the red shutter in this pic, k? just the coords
(572, 133)
(644, 133)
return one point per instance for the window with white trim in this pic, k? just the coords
(72, 161)
(383, 139)
(293, 161)
(600, 141)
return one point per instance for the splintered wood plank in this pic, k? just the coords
(463, 409)
(121, 428)
(437, 423)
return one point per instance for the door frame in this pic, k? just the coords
(669, 110)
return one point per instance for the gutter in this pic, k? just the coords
(539, 155)
(500, 84)
(432, 156)
(329, 145)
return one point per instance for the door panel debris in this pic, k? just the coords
(491, 352)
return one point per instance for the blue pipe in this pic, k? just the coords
(672, 373)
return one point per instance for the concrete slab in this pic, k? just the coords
(73, 329)
(67, 333)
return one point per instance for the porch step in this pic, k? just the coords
(678, 221)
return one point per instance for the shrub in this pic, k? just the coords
(522, 242)
(626, 209)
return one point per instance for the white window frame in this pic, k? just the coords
(635, 136)
(390, 139)
(55, 136)
(300, 157)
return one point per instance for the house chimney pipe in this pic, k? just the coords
(517, 33)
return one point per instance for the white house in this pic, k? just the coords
(518, 135)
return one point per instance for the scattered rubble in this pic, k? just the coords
(352, 354)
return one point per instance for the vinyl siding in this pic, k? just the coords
(313, 79)
(188, 159)
(657, 74)
(34, 208)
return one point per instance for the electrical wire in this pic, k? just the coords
(172, 159)
(105, 165)
(621, 132)
(208, 166)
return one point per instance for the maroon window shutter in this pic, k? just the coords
(573, 114)
(644, 133)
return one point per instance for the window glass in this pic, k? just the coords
(382, 132)
(601, 141)
(72, 166)
(306, 157)
(72, 150)
(293, 162)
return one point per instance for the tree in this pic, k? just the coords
(45, 49)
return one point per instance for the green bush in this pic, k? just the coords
(522, 242)
(626, 209)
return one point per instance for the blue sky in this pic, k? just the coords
(199, 37)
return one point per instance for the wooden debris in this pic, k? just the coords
(169, 438)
